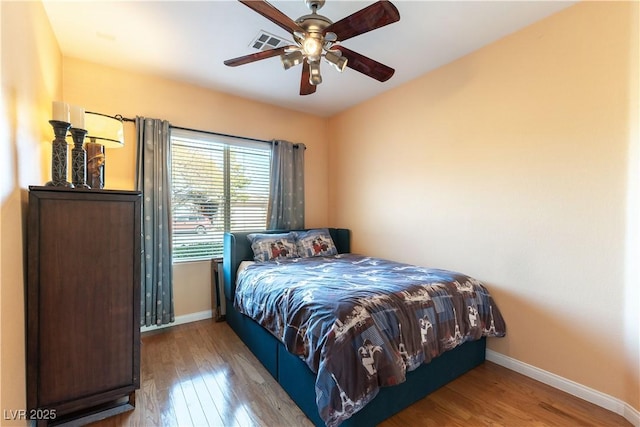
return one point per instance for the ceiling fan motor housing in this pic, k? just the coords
(313, 42)
(313, 23)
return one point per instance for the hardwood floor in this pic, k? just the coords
(201, 374)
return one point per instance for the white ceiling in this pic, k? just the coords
(189, 40)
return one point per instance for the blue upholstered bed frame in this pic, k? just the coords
(298, 380)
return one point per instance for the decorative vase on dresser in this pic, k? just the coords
(83, 304)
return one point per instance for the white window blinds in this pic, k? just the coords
(218, 184)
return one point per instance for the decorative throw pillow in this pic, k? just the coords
(316, 242)
(267, 247)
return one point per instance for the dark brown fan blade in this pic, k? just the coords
(371, 17)
(272, 14)
(241, 60)
(367, 66)
(306, 88)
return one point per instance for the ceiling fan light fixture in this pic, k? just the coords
(315, 35)
(314, 73)
(335, 58)
(292, 59)
(312, 47)
(330, 37)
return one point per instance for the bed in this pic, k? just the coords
(305, 361)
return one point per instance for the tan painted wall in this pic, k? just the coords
(112, 91)
(31, 66)
(511, 164)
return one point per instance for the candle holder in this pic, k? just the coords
(59, 155)
(78, 159)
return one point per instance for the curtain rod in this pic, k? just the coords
(126, 119)
(219, 134)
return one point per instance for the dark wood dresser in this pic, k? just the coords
(83, 304)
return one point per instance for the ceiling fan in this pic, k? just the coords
(317, 37)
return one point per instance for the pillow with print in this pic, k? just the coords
(268, 247)
(317, 242)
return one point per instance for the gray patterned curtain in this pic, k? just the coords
(286, 198)
(153, 179)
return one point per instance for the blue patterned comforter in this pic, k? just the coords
(361, 323)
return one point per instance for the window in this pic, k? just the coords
(218, 184)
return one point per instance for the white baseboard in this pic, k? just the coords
(590, 395)
(187, 318)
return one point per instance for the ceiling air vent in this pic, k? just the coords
(266, 41)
